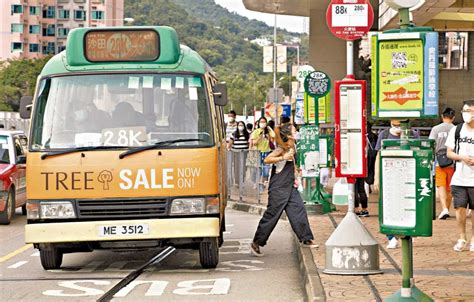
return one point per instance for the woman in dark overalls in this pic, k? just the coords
(283, 194)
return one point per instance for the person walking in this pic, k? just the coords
(239, 139)
(460, 146)
(444, 166)
(260, 140)
(394, 132)
(283, 194)
(231, 126)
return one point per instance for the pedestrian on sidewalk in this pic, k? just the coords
(361, 198)
(444, 166)
(460, 144)
(283, 194)
(260, 140)
(394, 132)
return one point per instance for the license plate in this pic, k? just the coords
(122, 230)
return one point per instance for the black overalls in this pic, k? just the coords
(282, 195)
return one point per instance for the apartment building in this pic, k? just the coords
(36, 28)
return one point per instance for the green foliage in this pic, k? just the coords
(17, 79)
(221, 38)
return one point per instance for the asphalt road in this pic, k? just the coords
(87, 276)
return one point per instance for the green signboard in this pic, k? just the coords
(314, 151)
(317, 84)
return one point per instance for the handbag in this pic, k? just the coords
(442, 158)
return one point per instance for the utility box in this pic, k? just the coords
(407, 189)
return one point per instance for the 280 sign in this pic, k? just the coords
(317, 84)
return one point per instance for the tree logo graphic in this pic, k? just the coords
(105, 177)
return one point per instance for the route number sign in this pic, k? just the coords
(349, 19)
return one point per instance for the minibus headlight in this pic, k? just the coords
(57, 210)
(186, 206)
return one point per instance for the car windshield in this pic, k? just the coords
(121, 110)
(4, 153)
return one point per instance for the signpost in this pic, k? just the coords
(351, 249)
(405, 84)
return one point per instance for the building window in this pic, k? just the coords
(49, 49)
(49, 12)
(97, 15)
(34, 47)
(17, 28)
(453, 50)
(79, 15)
(35, 29)
(63, 14)
(34, 10)
(62, 32)
(17, 46)
(17, 9)
(49, 31)
(61, 48)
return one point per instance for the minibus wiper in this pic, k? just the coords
(156, 145)
(80, 149)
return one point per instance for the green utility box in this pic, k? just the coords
(407, 190)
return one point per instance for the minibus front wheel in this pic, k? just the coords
(209, 252)
(51, 257)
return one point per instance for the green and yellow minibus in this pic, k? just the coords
(126, 147)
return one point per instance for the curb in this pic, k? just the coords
(309, 272)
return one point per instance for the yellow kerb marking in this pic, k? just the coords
(14, 253)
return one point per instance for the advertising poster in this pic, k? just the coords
(299, 109)
(401, 75)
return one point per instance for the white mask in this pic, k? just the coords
(467, 117)
(395, 130)
(241, 128)
(262, 125)
(231, 119)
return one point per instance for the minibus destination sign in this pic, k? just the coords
(121, 45)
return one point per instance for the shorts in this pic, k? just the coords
(463, 196)
(444, 176)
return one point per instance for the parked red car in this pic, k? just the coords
(13, 146)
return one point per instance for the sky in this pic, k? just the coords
(290, 23)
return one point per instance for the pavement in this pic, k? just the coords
(439, 271)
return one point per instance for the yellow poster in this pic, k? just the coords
(401, 75)
(323, 107)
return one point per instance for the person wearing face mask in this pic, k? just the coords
(260, 140)
(239, 139)
(283, 194)
(460, 145)
(394, 132)
(231, 126)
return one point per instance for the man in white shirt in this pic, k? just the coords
(461, 150)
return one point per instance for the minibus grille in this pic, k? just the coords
(121, 208)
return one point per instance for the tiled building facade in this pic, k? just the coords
(36, 28)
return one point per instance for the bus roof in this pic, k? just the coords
(161, 53)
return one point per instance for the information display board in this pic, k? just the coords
(399, 191)
(350, 129)
(405, 75)
(314, 151)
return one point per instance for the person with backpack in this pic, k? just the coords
(394, 132)
(444, 166)
(460, 146)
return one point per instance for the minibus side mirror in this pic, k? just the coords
(26, 103)
(220, 94)
(21, 159)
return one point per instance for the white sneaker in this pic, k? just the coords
(471, 248)
(460, 245)
(393, 243)
(444, 214)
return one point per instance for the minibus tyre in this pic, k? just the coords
(7, 214)
(51, 258)
(209, 252)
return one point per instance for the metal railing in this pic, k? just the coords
(247, 177)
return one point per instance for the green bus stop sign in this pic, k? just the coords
(317, 84)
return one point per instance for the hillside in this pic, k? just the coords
(219, 36)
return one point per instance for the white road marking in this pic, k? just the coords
(227, 233)
(36, 254)
(18, 264)
(229, 225)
